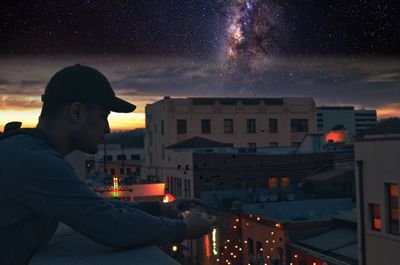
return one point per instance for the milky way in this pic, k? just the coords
(252, 34)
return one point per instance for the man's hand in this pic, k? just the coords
(174, 209)
(197, 226)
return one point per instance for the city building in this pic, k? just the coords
(344, 117)
(269, 229)
(115, 160)
(243, 122)
(377, 187)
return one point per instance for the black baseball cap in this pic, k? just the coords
(84, 84)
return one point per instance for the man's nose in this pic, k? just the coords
(107, 129)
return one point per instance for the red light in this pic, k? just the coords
(207, 245)
(335, 136)
(168, 198)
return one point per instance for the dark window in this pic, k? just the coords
(320, 120)
(162, 127)
(181, 126)
(121, 157)
(128, 170)
(108, 158)
(251, 125)
(375, 217)
(122, 170)
(320, 126)
(299, 125)
(250, 250)
(320, 115)
(273, 125)
(135, 157)
(228, 126)
(252, 147)
(274, 144)
(295, 144)
(112, 171)
(392, 190)
(206, 126)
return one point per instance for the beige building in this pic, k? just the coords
(377, 184)
(244, 122)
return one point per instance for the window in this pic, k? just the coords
(121, 170)
(251, 125)
(274, 144)
(252, 147)
(250, 250)
(295, 144)
(121, 157)
(228, 126)
(206, 126)
(135, 157)
(181, 126)
(162, 127)
(163, 152)
(186, 188)
(299, 125)
(392, 190)
(375, 216)
(108, 158)
(285, 182)
(272, 183)
(273, 125)
(128, 170)
(112, 171)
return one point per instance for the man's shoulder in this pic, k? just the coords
(28, 150)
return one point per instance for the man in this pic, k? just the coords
(39, 188)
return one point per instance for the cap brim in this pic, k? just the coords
(119, 105)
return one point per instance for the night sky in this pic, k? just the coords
(198, 28)
(339, 52)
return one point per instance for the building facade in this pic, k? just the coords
(377, 187)
(354, 121)
(243, 122)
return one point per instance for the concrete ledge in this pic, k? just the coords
(69, 247)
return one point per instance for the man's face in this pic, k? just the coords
(93, 129)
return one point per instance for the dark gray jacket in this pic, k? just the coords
(38, 188)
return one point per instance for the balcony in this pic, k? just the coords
(68, 247)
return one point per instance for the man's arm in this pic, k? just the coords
(150, 207)
(52, 188)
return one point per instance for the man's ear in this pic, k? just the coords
(77, 112)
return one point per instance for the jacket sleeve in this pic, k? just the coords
(51, 187)
(150, 207)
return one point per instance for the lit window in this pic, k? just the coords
(375, 217)
(392, 191)
(285, 182)
(272, 183)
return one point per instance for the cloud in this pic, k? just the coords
(364, 82)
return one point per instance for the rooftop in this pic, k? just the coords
(198, 142)
(304, 210)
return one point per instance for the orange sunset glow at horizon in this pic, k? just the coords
(121, 121)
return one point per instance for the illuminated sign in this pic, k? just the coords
(115, 188)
